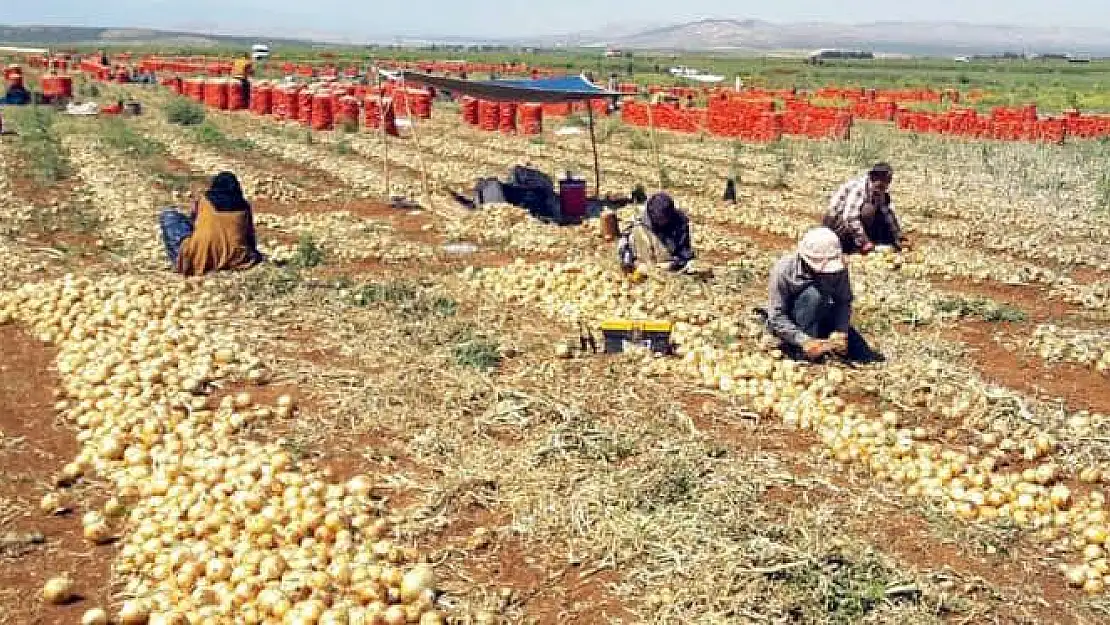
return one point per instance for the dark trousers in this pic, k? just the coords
(246, 86)
(176, 227)
(813, 313)
(878, 231)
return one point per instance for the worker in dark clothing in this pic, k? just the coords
(660, 237)
(16, 94)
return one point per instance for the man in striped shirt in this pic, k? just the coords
(862, 213)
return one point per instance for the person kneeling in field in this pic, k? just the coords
(810, 307)
(657, 239)
(217, 235)
(862, 213)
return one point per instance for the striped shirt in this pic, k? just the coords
(846, 205)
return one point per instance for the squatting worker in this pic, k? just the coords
(862, 213)
(242, 69)
(217, 235)
(810, 301)
(658, 238)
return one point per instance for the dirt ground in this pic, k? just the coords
(35, 547)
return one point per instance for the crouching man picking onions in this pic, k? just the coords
(862, 213)
(810, 307)
(659, 239)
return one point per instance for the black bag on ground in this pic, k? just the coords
(532, 189)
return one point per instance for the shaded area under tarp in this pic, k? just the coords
(562, 89)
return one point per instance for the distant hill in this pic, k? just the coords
(85, 36)
(939, 38)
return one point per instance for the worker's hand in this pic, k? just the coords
(838, 343)
(867, 248)
(905, 244)
(815, 348)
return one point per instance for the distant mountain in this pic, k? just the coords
(78, 35)
(922, 38)
(891, 37)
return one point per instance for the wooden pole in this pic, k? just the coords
(654, 146)
(385, 142)
(416, 141)
(593, 144)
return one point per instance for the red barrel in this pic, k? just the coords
(489, 115)
(194, 89)
(348, 111)
(372, 112)
(469, 107)
(57, 86)
(236, 98)
(531, 119)
(420, 102)
(507, 113)
(262, 99)
(304, 107)
(336, 95)
(216, 94)
(322, 118)
(1029, 113)
(290, 100)
(572, 198)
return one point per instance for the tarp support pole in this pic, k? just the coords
(593, 144)
(385, 143)
(416, 142)
(654, 145)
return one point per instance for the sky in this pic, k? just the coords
(378, 18)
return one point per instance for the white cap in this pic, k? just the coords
(821, 250)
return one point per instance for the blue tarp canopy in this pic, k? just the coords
(561, 89)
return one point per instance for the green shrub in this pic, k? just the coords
(184, 112)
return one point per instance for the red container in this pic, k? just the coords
(469, 107)
(285, 103)
(348, 111)
(57, 86)
(572, 199)
(488, 115)
(322, 118)
(194, 89)
(262, 99)
(420, 103)
(531, 119)
(216, 94)
(372, 112)
(507, 112)
(305, 101)
(236, 98)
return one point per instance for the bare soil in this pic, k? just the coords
(34, 446)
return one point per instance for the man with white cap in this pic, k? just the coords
(810, 295)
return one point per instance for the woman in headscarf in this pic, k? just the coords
(660, 237)
(218, 235)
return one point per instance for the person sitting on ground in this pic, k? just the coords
(862, 214)
(810, 302)
(217, 235)
(659, 237)
(16, 94)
